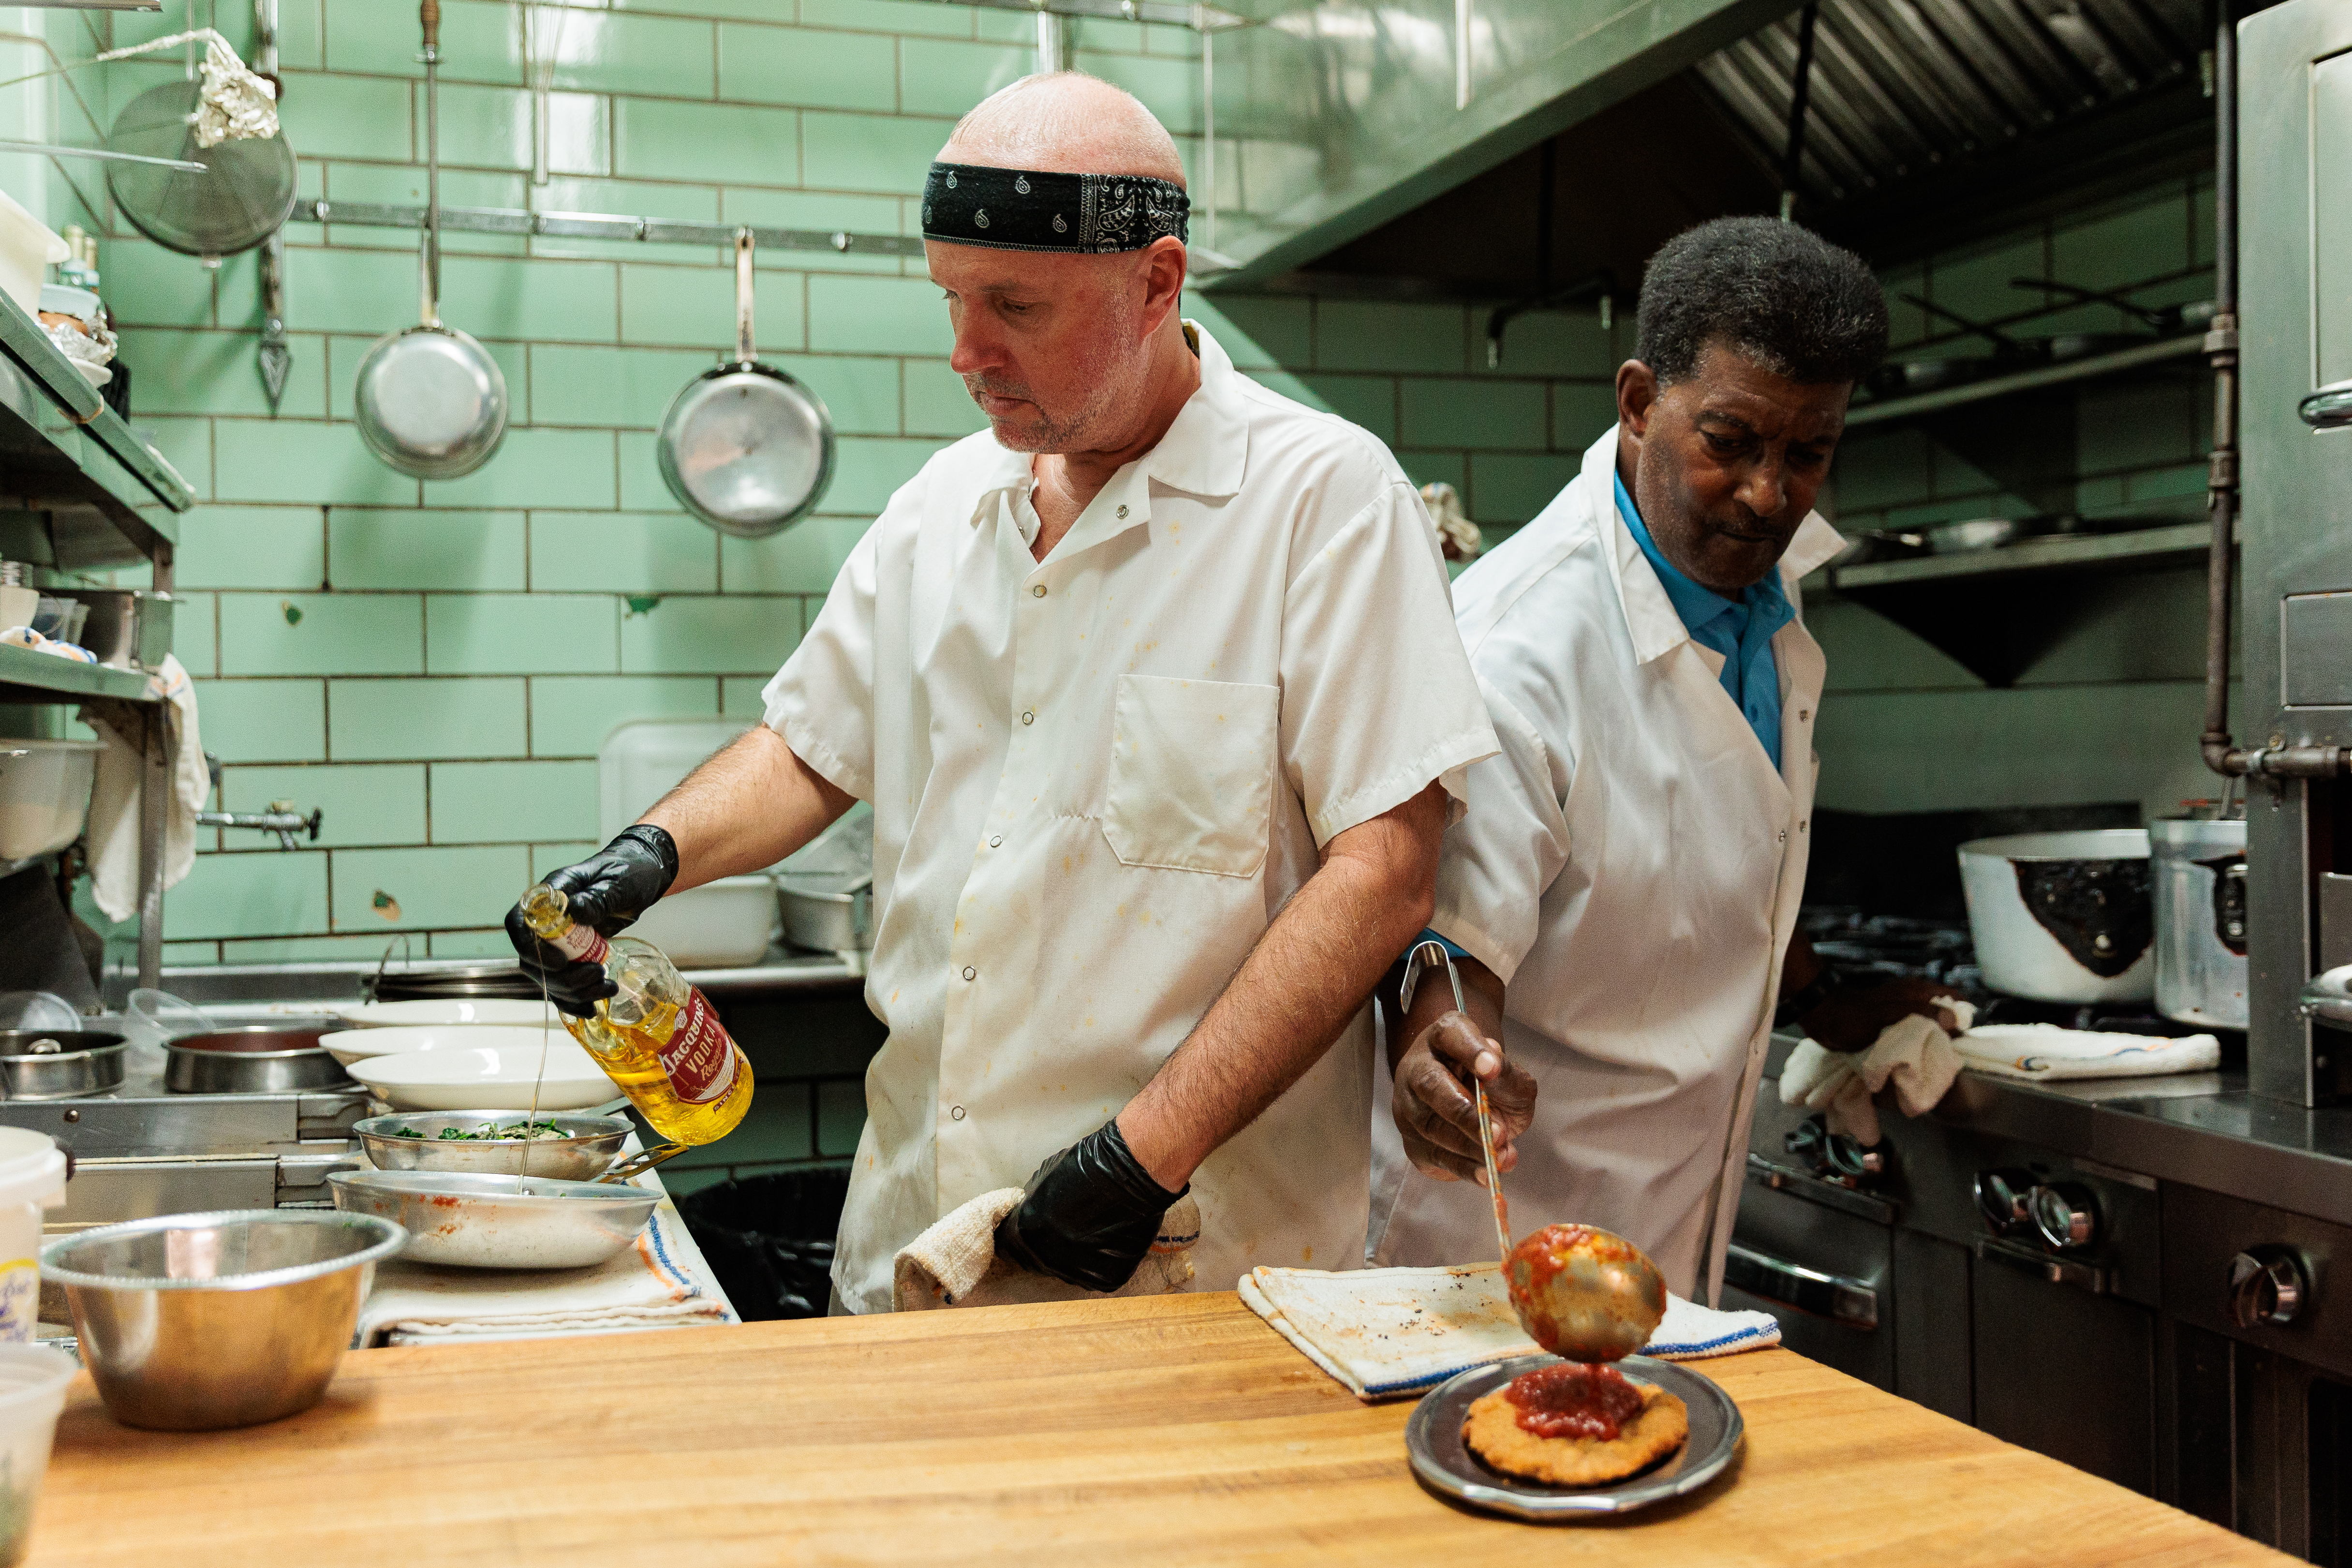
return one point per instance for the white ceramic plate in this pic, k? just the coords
(488, 1078)
(349, 1046)
(492, 1010)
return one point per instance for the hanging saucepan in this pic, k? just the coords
(744, 446)
(431, 401)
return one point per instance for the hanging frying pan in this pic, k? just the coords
(431, 401)
(744, 446)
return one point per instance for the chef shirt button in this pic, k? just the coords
(1804, 712)
(1122, 512)
(995, 840)
(1784, 838)
(1039, 592)
(970, 973)
(955, 1114)
(1028, 718)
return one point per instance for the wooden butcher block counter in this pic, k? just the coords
(1175, 1430)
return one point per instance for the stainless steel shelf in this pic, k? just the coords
(27, 676)
(2140, 547)
(2123, 359)
(111, 498)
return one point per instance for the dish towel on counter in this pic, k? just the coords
(954, 1263)
(113, 834)
(1913, 1053)
(1386, 1332)
(2045, 1051)
(641, 1287)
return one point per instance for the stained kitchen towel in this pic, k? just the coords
(2045, 1051)
(954, 1263)
(648, 1285)
(1913, 1053)
(1386, 1332)
(113, 833)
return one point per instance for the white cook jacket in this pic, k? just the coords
(1097, 779)
(1631, 867)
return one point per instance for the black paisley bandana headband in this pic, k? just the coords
(1017, 209)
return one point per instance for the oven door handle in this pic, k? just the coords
(1831, 1295)
(2045, 1265)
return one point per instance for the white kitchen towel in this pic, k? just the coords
(643, 1286)
(1913, 1053)
(954, 1263)
(113, 831)
(1385, 1332)
(2045, 1051)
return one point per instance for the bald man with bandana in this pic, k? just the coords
(1155, 690)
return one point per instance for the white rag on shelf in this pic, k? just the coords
(1913, 1053)
(113, 831)
(954, 1263)
(643, 1286)
(2045, 1051)
(1385, 1332)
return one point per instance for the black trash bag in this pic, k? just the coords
(769, 1239)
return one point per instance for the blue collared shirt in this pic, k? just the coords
(1740, 629)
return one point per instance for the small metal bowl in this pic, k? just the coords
(60, 1064)
(257, 1058)
(593, 1144)
(191, 1322)
(498, 1222)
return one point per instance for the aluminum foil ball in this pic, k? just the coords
(1585, 1294)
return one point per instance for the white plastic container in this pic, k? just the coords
(33, 1381)
(44, 795)
(32, 1178)
(719, 925)
(28, 249)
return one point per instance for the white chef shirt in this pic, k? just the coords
(1096, 781)
(1631, 867)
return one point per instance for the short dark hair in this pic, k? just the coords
(1779, 295)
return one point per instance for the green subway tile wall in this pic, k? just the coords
(436, 664)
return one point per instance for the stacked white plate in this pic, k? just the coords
(488, 1078)
(491, 1010)
(349, 1046)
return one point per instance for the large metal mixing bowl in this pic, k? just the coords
(498, 1222)
(589, 1147)
(190, 1322)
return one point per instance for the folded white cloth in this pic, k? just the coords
(954, 1263)
(114, 830)
(1913, 1053)
(1383, 1333)
(25, 636)
(642, 1287)
(2045, 1051)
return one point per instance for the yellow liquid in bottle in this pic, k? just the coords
(629, 1031)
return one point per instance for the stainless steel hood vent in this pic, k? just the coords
(1901, 88)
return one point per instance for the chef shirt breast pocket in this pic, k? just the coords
(1192, 774)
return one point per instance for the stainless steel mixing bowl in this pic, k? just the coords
(498, 1222)
(190, 1322)
(592, 1143)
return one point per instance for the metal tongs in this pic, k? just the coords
(1424, 955)
(637, 1165)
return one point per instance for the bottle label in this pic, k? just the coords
(699, 1057)
(582, 944)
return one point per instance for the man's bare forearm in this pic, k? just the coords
(1307, 975)
(748, 807)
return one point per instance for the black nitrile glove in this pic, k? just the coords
(606, 892)
(1089, 1215)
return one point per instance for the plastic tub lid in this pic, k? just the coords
(32, 1168)
(67, 300)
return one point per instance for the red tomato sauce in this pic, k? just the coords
(1574, 1399)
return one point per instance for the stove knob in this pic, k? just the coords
(2065, 1214)
(2000, 1198)
(1807, 1140)
(2267, 1287)
(1843, 1154)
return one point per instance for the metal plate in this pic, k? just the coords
(1433, 1439)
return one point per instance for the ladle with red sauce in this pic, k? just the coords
(1585, 1294)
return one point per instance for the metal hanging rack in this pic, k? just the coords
(516, 221)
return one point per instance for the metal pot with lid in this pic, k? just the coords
(2062, 916)
(60, 1064)
(2199, 876)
